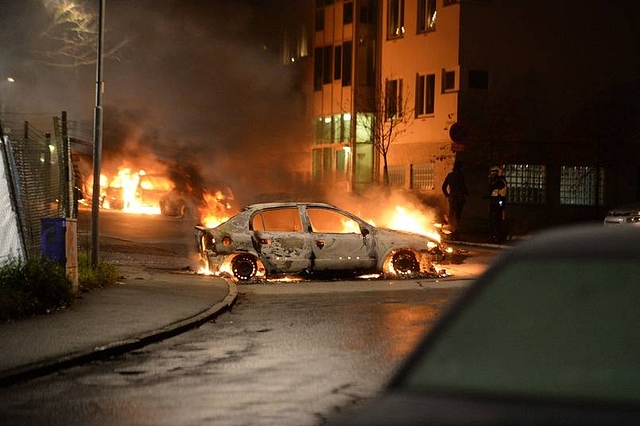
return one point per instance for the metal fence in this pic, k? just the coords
(41, 177)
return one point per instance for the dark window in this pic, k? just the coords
(317, 68)
(478, 79)
(366, 14)
(327, 64)
(449, 81)
(319, 24)
(425, 94)
(347, 51)
(347, 13)
(393, 99)
(337, 64)
(395, 19)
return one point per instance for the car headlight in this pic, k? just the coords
(633, 219)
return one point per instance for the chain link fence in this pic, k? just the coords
(41, 177)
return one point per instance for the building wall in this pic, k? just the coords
(426, 139)
(561, 94)
(560, 99)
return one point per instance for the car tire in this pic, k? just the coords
(244, 267)
(404, 263)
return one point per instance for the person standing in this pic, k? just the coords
(498, 199)
(455, 190)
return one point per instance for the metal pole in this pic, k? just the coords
(97, 144)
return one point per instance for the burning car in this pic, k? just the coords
(268, 240)
(136, 192)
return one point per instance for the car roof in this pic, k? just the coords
(584, 240)
(262, 206)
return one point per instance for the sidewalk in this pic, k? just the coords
(148, 305)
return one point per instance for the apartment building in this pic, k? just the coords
(547, 90)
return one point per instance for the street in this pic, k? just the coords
(288, 353)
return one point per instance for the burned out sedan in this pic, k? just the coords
(269, 240)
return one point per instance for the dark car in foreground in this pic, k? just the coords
(294, 238)
(548, 335)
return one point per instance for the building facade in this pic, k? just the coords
(403, 88)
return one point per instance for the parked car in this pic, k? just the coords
(548, 335)
(623, 215)
(295, 238)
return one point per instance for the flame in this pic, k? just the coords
(413, 221)
(133, 191)
(410, 220)
(216, 209)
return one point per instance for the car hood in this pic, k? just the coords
(402, 236)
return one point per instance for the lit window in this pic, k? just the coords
(527, 183)
(581, 185)
(425, 94)
(395, 19)
(426, 16)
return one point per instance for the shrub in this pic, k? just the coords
(33, 287)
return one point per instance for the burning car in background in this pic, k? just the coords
(268, 240)
(136, 192)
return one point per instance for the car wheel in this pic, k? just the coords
(244, 267)
(404, 263)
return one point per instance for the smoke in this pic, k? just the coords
(195, 91)
(195, 86)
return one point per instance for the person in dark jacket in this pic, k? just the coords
(455, 189)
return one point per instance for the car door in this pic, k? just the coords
(279, 239)
(337, 241)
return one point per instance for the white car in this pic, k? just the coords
(293, 238)
(623, 215)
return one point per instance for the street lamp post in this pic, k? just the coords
(97, 144)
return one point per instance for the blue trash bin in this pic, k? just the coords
(52, 239)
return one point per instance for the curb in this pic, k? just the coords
(44, 368)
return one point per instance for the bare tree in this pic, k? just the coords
(391, 119)
(73, 31)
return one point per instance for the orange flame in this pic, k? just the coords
(412, 220)
(216, 209)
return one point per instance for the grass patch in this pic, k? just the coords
(104, 275)
(40, 286)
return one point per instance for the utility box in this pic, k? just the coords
(59, 242)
